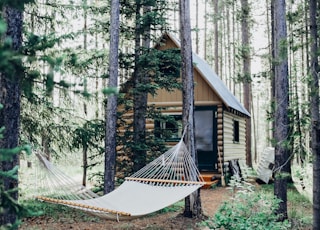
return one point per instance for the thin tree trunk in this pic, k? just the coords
(111, 109)
(229, 65)
(85, 165)
(272, 67)
(216, 37)
(223, 45)
(192, 202)
(234, 48)
(10, 114)
(315, 133)
(197, 26)
(205, 42)
(247, 74)
(254, 129)
(282, 102)
(85, 148)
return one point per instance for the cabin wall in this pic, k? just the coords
(232, 150)
(203, 94)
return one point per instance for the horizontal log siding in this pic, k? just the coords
(220, 154)
(233, 150)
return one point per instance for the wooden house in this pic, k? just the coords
(220, 119)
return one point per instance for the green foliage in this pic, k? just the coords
(40, 50)
(163, 67)
(90, 137)
(10, 60)
(299, 209)
(18, 4)
(248, 209)
(110, 90)
(87, 135)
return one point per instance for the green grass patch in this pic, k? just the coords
(57, 212)
(299, 209)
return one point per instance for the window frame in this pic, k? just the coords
(236, 131)
(160, 125)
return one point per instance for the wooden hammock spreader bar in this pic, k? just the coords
(163, 181)
(84, 206)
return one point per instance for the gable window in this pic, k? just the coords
(236, 138)
(169, 128)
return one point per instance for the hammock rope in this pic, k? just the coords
(164, 181)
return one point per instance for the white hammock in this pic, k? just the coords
(166, 180)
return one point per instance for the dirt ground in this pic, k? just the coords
(211, 199)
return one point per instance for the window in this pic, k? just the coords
(236, 131)
(169, 128)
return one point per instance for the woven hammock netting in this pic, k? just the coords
(163, 182)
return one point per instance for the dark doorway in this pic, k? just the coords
(206, 137)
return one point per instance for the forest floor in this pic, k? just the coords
(211, 199)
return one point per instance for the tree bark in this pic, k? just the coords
(85, 165)
(192, 202)
(247, 74)
(270, 135)
(142, 44)
(282, 103)
(315, 132)
(216, 37)
(111, 109)
(10, 114)
(85, 41)
(197, 26)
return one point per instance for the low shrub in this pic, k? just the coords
(248, 209)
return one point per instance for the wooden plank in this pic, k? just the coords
(82, 206)
(163, 181)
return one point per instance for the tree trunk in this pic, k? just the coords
(111, 110)
(216, 37)
(282, 102)
(85, 41)
(272, 67)
(197, 26)
(205, 39)
(247, 74)
(315, 132)
(85, 165)
(192, 202)
(141, 79)
(10, 114)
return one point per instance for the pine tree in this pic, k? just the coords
(193, 202)
(281, 102)
(111, 109)
(246, 74)
(315, 132)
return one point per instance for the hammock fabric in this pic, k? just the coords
(164, 181)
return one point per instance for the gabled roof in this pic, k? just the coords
(214, 81)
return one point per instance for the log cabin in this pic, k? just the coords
(220, 119)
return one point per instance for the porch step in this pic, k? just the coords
(210, 179)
